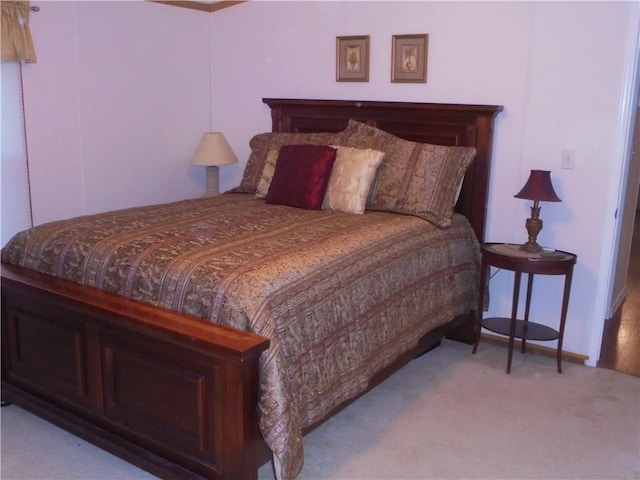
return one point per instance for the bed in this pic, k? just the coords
(203, 382)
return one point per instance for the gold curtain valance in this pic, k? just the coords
(17, 45)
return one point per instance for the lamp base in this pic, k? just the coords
(534, 226)
(212, 188)
(531, 247)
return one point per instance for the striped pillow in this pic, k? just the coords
(415, 178)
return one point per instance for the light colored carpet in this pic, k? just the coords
(446, 415)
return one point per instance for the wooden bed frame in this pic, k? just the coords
(177, 395)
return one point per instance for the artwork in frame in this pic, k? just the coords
(352, 59)
(409, 58)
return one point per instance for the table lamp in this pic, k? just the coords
(213, 152)
(539, 189)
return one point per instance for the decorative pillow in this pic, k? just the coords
(267, 174)
(301, 176)
(415, 178)
(351, 178)
(262, 143)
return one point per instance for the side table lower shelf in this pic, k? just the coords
(524, 330)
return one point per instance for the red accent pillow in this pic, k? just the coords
(301, 176)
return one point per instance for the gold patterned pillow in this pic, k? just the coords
(415, 178)
(351, 178)
(267, 173)
(262, 143)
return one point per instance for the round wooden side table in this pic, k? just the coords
(511, 257)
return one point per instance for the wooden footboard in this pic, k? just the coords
(174, 395)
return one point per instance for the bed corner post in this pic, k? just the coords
(244, 449)
(276, 116)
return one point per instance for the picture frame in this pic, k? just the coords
(409, 58)
(352, 58)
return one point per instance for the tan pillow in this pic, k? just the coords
(415, 178)
(351, 178)
(267, 174)
(262, 143)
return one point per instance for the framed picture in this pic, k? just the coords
(352, 59)
(409, 58)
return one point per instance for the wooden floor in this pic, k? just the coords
(621, 339)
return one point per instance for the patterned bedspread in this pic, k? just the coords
(339, 295)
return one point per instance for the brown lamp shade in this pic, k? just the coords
(539, 187)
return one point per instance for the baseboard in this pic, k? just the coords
(535, 348)
(616, 304)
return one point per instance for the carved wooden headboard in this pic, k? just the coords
(436, 123)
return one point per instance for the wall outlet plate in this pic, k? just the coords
(568, 159)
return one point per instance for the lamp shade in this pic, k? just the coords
(539, 187)
(213, 150)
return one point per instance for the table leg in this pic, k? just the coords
(514, 315)
(478, 324)
(563, 315)
(526, 313)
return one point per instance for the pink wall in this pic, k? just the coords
(115, 105)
